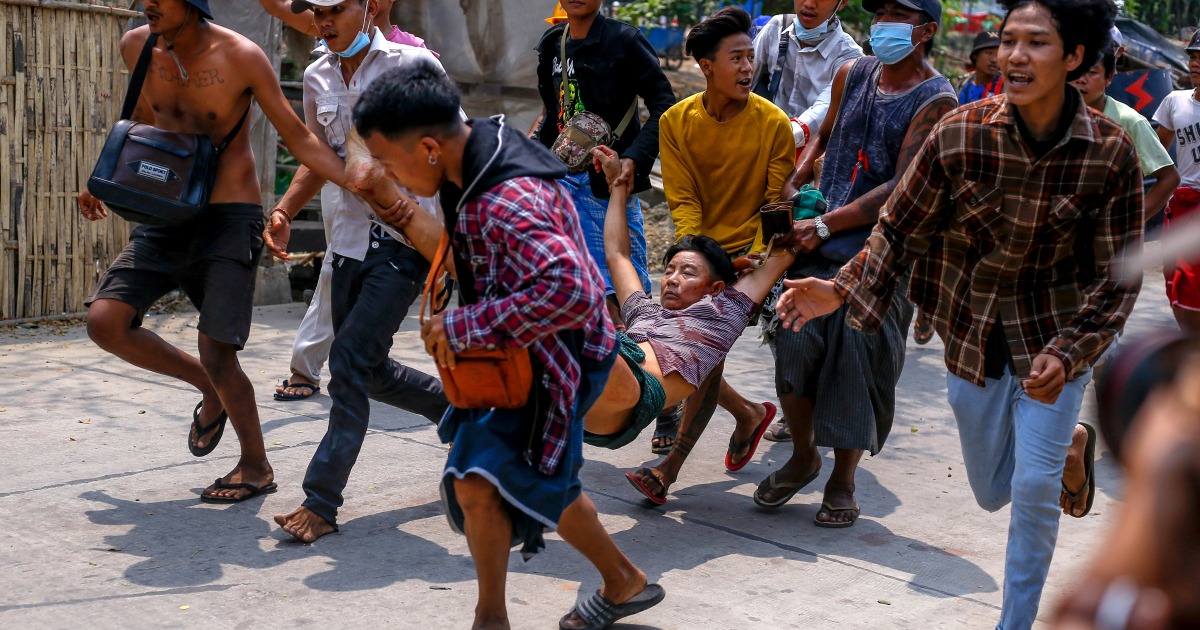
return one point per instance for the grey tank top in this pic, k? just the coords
(869, 132)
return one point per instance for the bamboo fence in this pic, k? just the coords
(62, 82)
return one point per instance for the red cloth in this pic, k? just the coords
(1183, 277)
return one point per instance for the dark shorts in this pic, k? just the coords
(213, 259)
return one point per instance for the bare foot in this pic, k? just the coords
(744, 431)
(617, 593)
(793, 471)
(1075, 474)
(258, 476)
(291, 390)
(304, 525)
(208, 414)
(838, 495)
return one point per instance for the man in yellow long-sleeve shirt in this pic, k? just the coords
(725, 152)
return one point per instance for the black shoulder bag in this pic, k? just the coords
(148, 175)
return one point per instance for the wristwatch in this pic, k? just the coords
(822, 229)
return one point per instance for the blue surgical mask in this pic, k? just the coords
(806, 35)
(361, 41)
(891, 41)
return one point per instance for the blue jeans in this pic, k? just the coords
(591, 220)
(369, 301)
(1014, 449)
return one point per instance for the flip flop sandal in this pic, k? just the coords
(666, 426)
(658, 499)
(203, 430)
(752, 441)
(313, 390)
(778, 433)
(832, 525)
(254, 491)
(792, 486)
(599, 613)
(1089, 466)
(922, 333)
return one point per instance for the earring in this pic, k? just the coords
(432, 159)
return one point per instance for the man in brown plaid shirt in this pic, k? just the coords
(1011, 213)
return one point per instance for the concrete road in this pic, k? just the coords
(102, 526)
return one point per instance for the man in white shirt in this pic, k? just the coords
(377, 271)
(1179, 119)
(814, 46)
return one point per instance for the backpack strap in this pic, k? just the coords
(138, 78)
(780, 59)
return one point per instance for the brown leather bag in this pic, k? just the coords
(481, 379)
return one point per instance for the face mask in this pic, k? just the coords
(891, 41)
(361, 41)
(805, 35)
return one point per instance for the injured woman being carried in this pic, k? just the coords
(670, 348)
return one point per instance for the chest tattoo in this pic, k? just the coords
(196, 79)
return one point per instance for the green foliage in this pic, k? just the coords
(648, 12)
(1165, 16)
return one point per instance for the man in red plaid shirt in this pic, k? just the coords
(526, 281)
(1011, 215)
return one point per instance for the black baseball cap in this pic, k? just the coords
(932, 7)
(202, 6)
(1194, 43)
(986, 39)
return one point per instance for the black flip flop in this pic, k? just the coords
(313, 390)
(922, 333)
(666, 426)
(779, 432)
(599, 613)
(254, 491)
(1089, 467)
(836, 525)
(792, 486)
(202, 430)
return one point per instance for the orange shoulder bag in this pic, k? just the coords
(481, 379)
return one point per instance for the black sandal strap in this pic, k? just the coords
(597, 611)
(201, 430)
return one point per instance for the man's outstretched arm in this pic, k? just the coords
(282, 9)
(301, 142)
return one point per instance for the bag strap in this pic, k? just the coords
(626, 120)
(236, 128)
(562, 84)
(435, 270)
(777, 73)
(138, 78)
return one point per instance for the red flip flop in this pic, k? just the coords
(752, 441)
(641, 487)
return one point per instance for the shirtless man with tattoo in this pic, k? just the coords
(202, 79)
